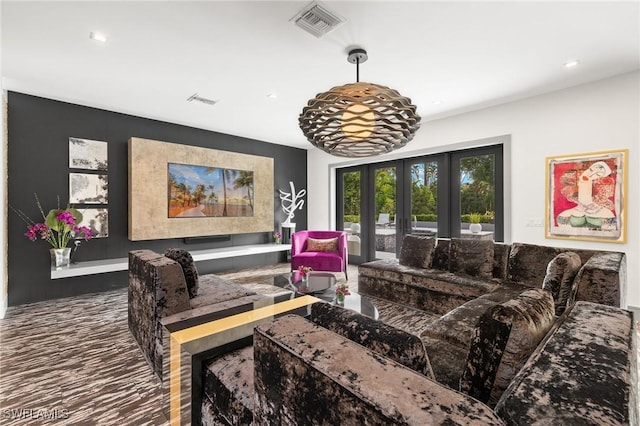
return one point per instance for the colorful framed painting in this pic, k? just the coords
(203, 191)
(586, 196)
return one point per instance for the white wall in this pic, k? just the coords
(593, 117)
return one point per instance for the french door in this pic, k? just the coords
(438, 195)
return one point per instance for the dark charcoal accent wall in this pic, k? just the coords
(39, 131)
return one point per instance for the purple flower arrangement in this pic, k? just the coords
(342, 290)
(58, 228)
(304, 271)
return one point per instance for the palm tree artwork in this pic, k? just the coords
(203, 191)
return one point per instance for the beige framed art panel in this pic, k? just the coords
(239, 201)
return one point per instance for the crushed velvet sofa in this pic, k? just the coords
(166, 289)
(306, 374)
(580, 374)
(498, 304)
(440, 277)
(339, 367)
(231, 393)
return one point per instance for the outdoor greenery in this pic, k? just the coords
(352, 218)
(477, 189)
(385, 191)
(351, 197)
(474, 217)
(477, 218)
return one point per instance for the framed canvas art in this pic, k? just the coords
(97, 220)
(87, 154)
(586, 196)
(180, 191)
(88, 188)
(203, 191)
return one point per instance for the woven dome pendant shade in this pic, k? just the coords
(359, 120)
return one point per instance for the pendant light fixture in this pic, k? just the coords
(359, 119)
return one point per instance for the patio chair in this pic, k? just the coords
(383, 220)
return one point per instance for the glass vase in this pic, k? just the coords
(340, 299)
(60, 257)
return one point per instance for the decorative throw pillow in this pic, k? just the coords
(504, 338)
(528, 262)
(559, 278)
(325, 245)
(417, 251)
(184, 258)
(471, 257)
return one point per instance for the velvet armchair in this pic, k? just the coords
(321, 250)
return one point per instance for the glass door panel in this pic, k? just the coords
(351, 208)
(477, 196)
(424, 198)
(385, 211)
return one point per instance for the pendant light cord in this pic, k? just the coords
(357, 70)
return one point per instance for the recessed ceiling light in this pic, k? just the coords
(272, 95)
(98, 37)
(436, 102)
(572, 64)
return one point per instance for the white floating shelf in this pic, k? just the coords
(122, 264)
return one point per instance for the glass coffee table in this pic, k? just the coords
(322, 285)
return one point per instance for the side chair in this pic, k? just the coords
(320, 250)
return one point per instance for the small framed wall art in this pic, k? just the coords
(97, 220)
(88, 188)
(586, 196)
(87, 154)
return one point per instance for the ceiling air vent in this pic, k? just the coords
(195, 97)
(317, 19)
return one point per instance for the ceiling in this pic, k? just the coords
(448, 57)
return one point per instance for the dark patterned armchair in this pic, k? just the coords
(161, 288)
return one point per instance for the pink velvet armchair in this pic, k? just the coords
(321, 250)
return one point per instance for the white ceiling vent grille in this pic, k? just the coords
(317, 19)
(197, 98)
